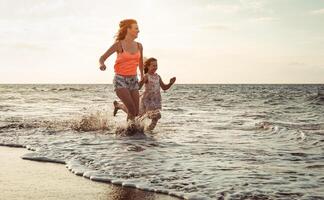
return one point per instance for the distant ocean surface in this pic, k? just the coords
(213, 141)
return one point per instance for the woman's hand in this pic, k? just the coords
(143, 79)
(102, 67)
(142, 76)
(172, 80)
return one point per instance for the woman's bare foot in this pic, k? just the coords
(152, 125)
(115, 108)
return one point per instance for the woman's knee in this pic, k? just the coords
(125, 96)
(132, 110)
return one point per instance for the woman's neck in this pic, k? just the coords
(129, 38)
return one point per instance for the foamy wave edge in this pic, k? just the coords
(78, 169)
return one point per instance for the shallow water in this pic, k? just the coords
(213, 141)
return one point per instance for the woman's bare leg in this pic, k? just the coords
(153, 124)
(125, 96)
(118, 106)
(135, 97)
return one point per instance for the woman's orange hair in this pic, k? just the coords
(123, 26)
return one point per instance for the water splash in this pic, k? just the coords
(94, 121)
(130, 129)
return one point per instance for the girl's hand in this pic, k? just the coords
(172, 80)
(103, 67)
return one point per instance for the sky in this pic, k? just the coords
(198, 41)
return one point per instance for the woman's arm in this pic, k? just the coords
(141, 60)
(104, 57)
(167, 86)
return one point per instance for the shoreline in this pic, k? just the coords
(25, 179)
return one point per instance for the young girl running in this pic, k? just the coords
(150, 99)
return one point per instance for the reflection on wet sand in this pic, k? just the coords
(122, 193)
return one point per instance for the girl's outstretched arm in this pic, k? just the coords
(167, 86)
(104, 57)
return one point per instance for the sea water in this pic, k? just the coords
(212, 142)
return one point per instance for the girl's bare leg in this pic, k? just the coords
(154, 121)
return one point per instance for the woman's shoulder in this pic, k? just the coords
(118, 46)
(140, 45)
(117, 43)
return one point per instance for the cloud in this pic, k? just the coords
(224, 8)
(264, 19)
(318, 12)
(252, 4)
(305, 66)
(256, 7)
(217, 27)
(250, 7)
(297, 63)
(24, 45)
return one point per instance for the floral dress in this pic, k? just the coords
(150, 99)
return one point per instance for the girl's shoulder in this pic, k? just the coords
(154, 77)
(157, 76)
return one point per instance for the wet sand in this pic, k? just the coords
(25, 179)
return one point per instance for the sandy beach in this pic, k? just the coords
(24, 179)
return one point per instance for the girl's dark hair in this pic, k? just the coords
(147, 63)
(123, 26)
